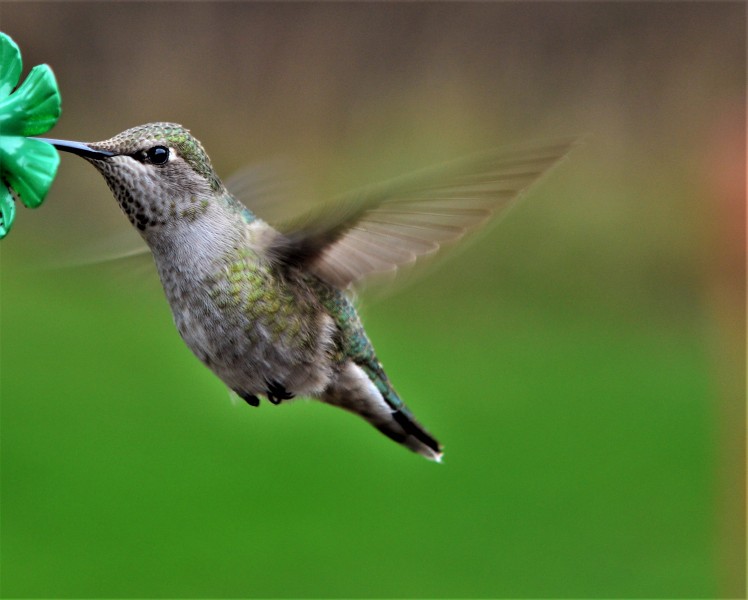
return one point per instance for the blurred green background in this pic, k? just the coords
(583, 362)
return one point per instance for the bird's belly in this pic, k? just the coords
(252, 339)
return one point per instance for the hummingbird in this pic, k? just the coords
(270, 309)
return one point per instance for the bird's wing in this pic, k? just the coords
(273, 190)
(383, 227)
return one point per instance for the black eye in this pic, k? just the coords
(158, 155)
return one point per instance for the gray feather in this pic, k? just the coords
(383, 227)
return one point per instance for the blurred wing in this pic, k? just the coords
(385, 226)
(272, 190)
(124, 244)
(121, 256)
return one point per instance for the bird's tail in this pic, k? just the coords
(405, 430)
(373, 398)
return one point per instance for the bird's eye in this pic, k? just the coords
(158, 155)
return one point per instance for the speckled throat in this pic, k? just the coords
(148, 203)
(152, 193)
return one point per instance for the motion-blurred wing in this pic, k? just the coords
(389, 225)
(272, 190)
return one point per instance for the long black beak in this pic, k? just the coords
(78, 148)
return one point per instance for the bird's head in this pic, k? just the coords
(159, 173)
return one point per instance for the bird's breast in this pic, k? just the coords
(251, 323)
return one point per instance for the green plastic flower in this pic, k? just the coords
(27, 166)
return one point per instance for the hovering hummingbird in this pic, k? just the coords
(268, 309)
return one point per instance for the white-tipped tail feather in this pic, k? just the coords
(355, 392)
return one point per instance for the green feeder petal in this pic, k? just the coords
(29, 166)
(10, 65)
(7, 211)
(34, 107)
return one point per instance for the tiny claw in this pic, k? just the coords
(277, 393)
(250, 399)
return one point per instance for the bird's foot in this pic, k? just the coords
(276, 393)
(250, 399)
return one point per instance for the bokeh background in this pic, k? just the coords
(583, 362)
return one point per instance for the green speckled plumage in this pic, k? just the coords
(353, 342)
(248, 284)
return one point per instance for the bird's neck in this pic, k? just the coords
(198, 245)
